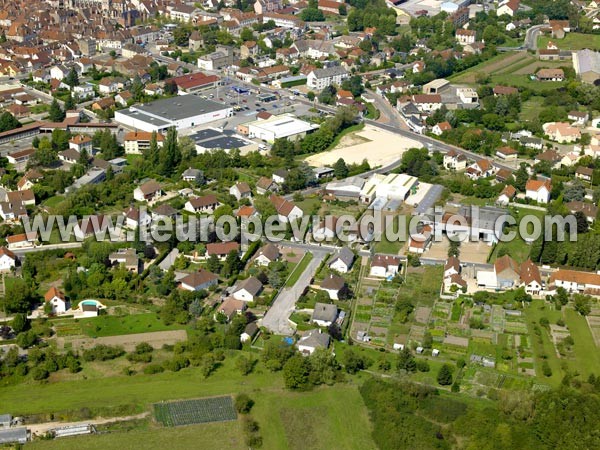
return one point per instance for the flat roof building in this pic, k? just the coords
(281, 126)
(181, 112)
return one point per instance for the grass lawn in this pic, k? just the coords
(531, 108)
(326, 417)
(572, 41)
(300, 267)
(116, 325)
(587, 358)
(542, 345)
(214, 435)
(54, 201)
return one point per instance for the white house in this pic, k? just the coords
(455, 161)
(248, 289)
(57, 300)
(333, 284)
(266, 255)
(384, 266)
(538, 190)
(311, 341)
(286, 210)
(203, 279)
(324, 314)
(148, 192)
(575, 281)
(8, 260)
(342, 260)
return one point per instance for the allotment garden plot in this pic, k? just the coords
(188, 412)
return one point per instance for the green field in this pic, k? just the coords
(531, 109)
(300, 267)
(587, 358)
(572, 41)
(213, 435)
(117, 325)
(326, 417)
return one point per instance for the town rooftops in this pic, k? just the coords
(504, 263)
(222, 248)
(333, 282)
(536, 185)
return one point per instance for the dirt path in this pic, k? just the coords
(42, 428)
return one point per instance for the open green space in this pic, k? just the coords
(572, 41)
(300, 267)
(587, 357)
(188, 412)
(131, 324)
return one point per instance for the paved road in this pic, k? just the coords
(276, 319)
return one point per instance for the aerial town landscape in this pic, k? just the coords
(306, 225)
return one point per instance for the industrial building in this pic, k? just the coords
(395, 186)
(184, 111)
(277, 127)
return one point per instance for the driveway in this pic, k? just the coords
(276, 319)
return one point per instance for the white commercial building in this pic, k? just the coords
(184, 111)
(278, 127)
(395, 186)
(321, 78)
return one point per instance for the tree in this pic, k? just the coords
(296, 371)
(444, 376)
(45, 155)
(213, 264)
(170, 88)
(19, 323)
(340, 169)
(310, 95)
(8, 122)
(137, 88)
(56, 114)
(72, 79)
(406, 360)
(169, 155)
(243, 403)
(244, 364)
(352, 361)
(575, 191)
(582, 223)
(69, 103)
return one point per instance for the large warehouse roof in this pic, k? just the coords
(180, 107)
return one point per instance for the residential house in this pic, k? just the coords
(427, 103)
(135, 218)
(249, 332)
(342, 260)
(230, 308)
(264, 185)
(287, 211)
(507, 271)
(507, 195)
(550, 75)
(575, 281)
(194, 176)
(578, 117)
(148, 192)
(324, 314)
(319, 79)
(222, 249)
(311, 341)
(128, 258)
(420, 242)
(465, 36)
(20, 241)
(80, 143)
(164, 211)
(333, 284)
(508, 7)
(205, 204)
(196, 281)
(482, 168)
(507, 153)
(8, 260)
(538, 190)
(439, 128)
(589, 210)
(584, 174)
(452, 266)
(247, 290)
(57, 300)
(561, 132)
(454, 160)
(240, 190)
(384, 266)
(531, 279)
(266, 255)
(136, 142)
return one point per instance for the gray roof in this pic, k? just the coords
(252, 285)
(314, 338)
(333, 282)
(164, 111)
(269, 251)
(169, 260)
(251, 329)
(13, 435)
(330, 72)
(324, 312)
(345, 255)
(587, 61)
(487, 217)
(192, 173)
